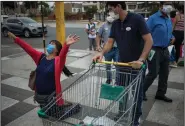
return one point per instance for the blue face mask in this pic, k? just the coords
(50, 48)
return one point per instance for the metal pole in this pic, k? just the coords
(60, 21)
(43, 33)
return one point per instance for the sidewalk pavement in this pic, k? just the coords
(18, 108)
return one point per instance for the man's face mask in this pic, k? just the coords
(50, 48)
(113, 15)
(167, 9)
(110, 19)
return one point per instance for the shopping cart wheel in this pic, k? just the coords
(41, 114)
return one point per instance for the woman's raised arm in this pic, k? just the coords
(71, 39)
(30, 50)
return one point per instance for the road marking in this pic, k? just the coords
(8, 57)
(5, 58)
(5, 46)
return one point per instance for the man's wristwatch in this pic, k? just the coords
(142, 60)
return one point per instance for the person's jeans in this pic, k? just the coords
(92, 44)
(172, 55)
(125, 81)
(113, 54)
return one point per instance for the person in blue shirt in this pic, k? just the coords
(160, 26)
(113, 54)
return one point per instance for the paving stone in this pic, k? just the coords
(147, 105)
(15, 93)
(28, 119)
(7, 102)
(172, 84)
(176, 85)
(78, 54)
(171, 114)
(83, 63)
(176, 75)
(17, 82)
(30, 101)
(148, 123)
(15, 111)
(5, 76)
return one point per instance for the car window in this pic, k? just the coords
(10, 21)
(16, 21)
(27, 20)
(4, 18)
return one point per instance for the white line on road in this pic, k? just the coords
(7, 57)
(5, 46)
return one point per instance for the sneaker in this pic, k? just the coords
(173, 64)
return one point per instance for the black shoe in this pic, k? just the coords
(108, 81)
(144, 98)
(163, 98)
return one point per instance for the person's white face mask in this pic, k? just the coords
(167, 9)
(110, 19)
(113, 15)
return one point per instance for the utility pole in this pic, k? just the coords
(43, 32)
(60, 21)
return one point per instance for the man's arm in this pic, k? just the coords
(99, 35)
(145, 32)
(108, 46)
(147, 46)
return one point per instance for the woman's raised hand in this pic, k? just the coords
(11, 35)
(71, 39)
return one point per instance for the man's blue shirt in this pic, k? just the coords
(161, 29)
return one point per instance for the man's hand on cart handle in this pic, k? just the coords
(136, 64)
(98, 57)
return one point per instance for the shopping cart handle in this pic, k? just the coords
(117, 63)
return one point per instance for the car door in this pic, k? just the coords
(9, 24)
(17, 26)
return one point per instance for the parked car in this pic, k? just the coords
(22, 26)
(3, 17)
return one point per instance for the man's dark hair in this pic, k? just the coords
(115, 3)
(172, 14)
(90, 18)
(66, 71)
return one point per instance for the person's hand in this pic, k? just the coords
(98, 57)
(99, 48)
(11, 35)
(136, 64)
(172, 41)
(71, 39)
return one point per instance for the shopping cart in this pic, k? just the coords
(96, 103)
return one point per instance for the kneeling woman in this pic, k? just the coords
(49, 67)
